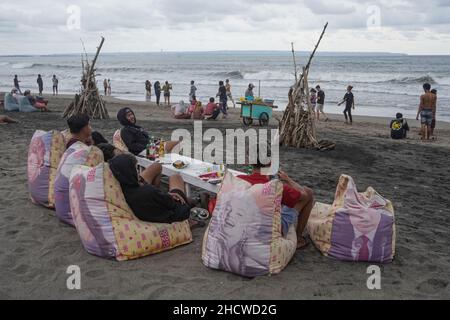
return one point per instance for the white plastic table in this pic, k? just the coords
(190, 174)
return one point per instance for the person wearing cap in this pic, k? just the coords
(349, 100)
(399, 127)
(249, 91)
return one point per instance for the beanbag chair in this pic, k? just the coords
(357, 227)
(118, 142)
(77, 154)
(25, 106)
(44, 154)
(66, 135)
(106, 224)
(10, 103)
(244, 235)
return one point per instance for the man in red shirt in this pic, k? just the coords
(212, 110)
(297, 200)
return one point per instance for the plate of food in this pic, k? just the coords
(180, 164)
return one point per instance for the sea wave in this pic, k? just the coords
(411, 80)
(237, 75)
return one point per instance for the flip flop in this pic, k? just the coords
(200, 214)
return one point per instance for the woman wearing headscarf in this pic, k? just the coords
(134, 136)
(147, 201)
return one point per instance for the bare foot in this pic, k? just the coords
(301, 243)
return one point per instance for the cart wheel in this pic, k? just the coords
(248, 121)
(264, 119)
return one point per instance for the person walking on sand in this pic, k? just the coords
(148, 90)
(17, 84)
(427, 109)
(40, 83)
(157, 86)
(229, 94)
(193, 91)
(320, 103)
(105, 86)
(109, 87)
(55, 85)
(222, 94)
(166, 89)
(349, 100)
(433, 123)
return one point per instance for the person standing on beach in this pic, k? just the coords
(148, 90)
(249, 91)
(109, 87)
(40, 83)
(16, 84)
(320, 103)
(193, 91)
(55, 85)
(166, 89)
(229, 95)
(222, 94)
(349, 100)
(313, 99)
(105, 86)
(157, 86)
(433, 123)
(427, 109)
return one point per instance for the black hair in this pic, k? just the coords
(108, 151)
(192, 82)
(317, 87)
(98, 138)
(434, 91)
(77, 122)
(399, 116)
(220, 83)
(427, 87)
(211, 99)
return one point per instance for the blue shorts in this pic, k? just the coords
(426, 117)
(289, 216)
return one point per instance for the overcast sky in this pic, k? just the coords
(404, 26)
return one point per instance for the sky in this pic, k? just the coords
(54, 27)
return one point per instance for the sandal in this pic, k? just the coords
(200, 214)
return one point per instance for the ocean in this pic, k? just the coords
(383, 84)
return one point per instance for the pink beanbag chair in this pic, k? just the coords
(106, 224)
(357, 227)
(244, 235)
(44, 154)
(77, 154)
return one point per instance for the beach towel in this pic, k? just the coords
(118, 142)
(10, 103)
(357, 227)
(77, 154)
(44, 154)
(244, 235)
(106, 224)
(25, 106)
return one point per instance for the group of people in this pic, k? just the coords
(40, 83)
(37, 102)
(142, 190)
(166, 89)
(317, 97)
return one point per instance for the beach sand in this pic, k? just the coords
(37, 249)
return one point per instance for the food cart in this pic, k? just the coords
(261, 110)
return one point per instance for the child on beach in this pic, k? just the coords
(349, 100)
(297, 201)
(166, 89)
(229, 94)
(426, 111)
(399, 127)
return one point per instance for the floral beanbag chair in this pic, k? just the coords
(77, 154)
(106, 224)
(244, 235)
(44, 154)
(357, 227)
(118, 142)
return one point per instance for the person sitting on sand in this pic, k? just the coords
(180, 111)
(6, 120)
(399, 127)
(433, 123)
(297, 201)
(212, 110)
(198, 112)
(349, 100)
(134, 136)
(193, 105)
(109, 151)
(427, 109)
(39, 103)
(147, 201)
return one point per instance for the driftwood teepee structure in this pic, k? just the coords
(298, 128)
(89, 100)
